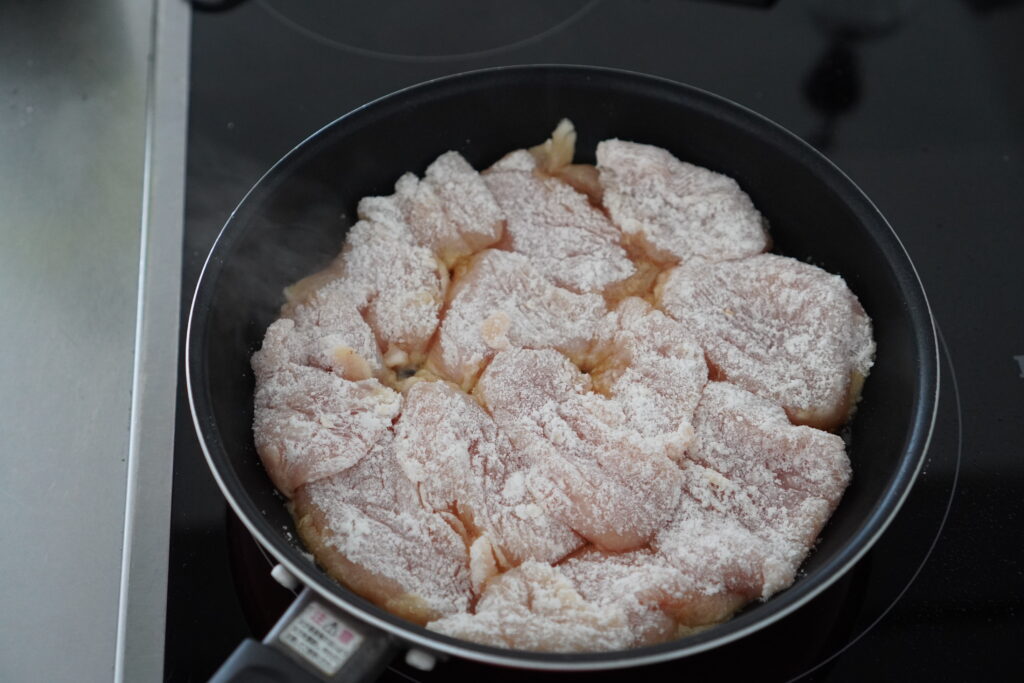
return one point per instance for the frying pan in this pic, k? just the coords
(294, 220)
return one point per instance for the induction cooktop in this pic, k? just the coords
(919, 102)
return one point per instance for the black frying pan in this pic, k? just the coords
(294, 220)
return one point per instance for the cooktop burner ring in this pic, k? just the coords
(954, 385)
(285, 13)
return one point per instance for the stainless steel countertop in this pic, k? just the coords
(91, 176)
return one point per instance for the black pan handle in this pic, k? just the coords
(311, 642)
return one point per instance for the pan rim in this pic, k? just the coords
(872, 527)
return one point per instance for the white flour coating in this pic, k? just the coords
(743, 524)
(765, 486)
(501, 302)
(778, 327)
(401, 285)
(572, 243)
(653, 368)
(534, 607)
(713, 549)
(674, 210)
(749, 438)
(403, 555)
(637, 582)
(405, 286)
(452, 449)
(594, 491)
(450, 211)
(591, 467)
(327, 331)
(309, 423)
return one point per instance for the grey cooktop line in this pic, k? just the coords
(78, 446)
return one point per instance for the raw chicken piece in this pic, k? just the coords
(591, 468)
(309, 423)
(452, 450)
(398, 286)
(388, 270)
(651, 366)
(755, 495)
(554, 158)
(673, 210)
(780, 328)
(450, 211)
(500, 302)
(566, 238)
(555, 153)
(722, 564)
(534, 607)
(366, 527)
(382, 292)
(663, 597)
(782, 479)
(638, 582)
(324, 330)
(757, 491)
(748, 438)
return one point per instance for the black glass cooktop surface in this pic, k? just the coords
(921, 103)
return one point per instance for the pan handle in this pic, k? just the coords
(311, 642)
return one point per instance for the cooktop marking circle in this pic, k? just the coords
(385, 31)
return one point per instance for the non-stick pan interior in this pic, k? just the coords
(295, 220)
